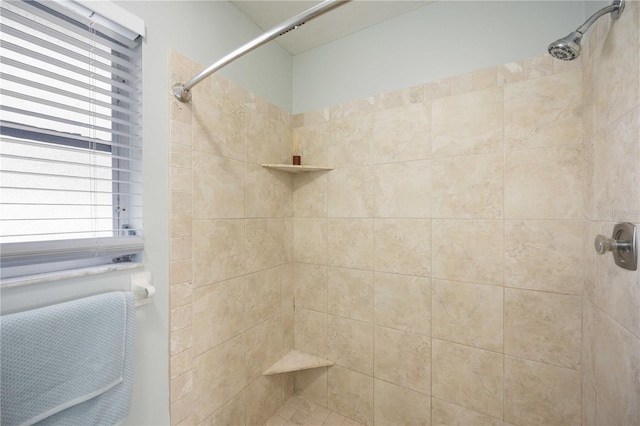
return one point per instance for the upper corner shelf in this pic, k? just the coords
(295, 169)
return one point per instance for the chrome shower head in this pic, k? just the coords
(566, 48)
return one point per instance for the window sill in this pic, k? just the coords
(67, 274)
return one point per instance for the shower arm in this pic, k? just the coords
(614, 9)
(183, 91)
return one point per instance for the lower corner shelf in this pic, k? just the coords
(297, 360)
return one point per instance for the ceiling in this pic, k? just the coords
(339, 22)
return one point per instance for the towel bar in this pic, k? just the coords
(142, 288)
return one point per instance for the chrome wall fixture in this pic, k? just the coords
(623, 244)
(568, 48)
(182, 91)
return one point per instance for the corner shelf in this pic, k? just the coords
(297, 360)
(296, 169)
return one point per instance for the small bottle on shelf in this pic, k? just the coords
(296, 152)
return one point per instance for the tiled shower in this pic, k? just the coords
(445, 264)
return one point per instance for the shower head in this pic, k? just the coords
(568, 48)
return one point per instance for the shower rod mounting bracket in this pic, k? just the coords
(181, 93)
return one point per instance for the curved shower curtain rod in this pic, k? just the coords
(183, 91)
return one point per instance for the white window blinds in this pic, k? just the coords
(70, 138)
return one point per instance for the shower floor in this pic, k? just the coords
(299, 411)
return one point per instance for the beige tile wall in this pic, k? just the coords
(445, 265)
(611, 302)
(231, 253)
(440, 264)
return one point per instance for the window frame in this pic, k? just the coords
(28, 258)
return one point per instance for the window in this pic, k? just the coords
(70, 138)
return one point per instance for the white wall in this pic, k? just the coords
(205, 31)
(439, 40)
(592, 6)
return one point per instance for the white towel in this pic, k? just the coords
(70, 363)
